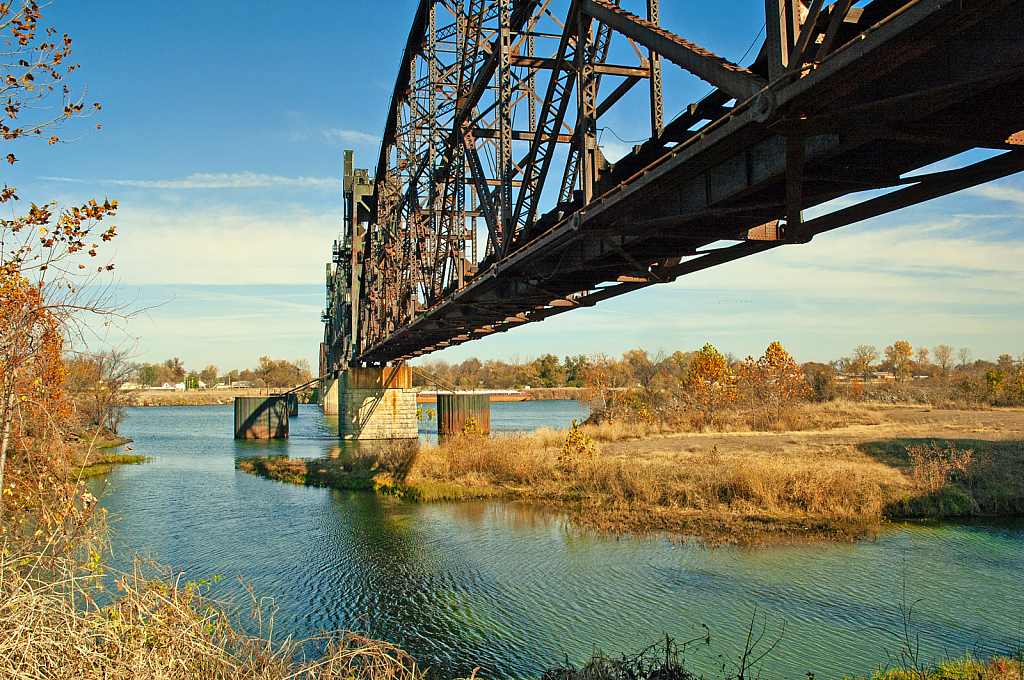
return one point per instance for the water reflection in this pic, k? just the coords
(512, 587)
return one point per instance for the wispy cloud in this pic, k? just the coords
(219, 244)
(350, 136)
(999, 192)
(204, 180)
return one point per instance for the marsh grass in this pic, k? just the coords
(833, 486)
(784, 486)
(964, 668)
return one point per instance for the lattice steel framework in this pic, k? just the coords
(494, 206)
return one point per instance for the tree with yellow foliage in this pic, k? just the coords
(710, 383)
(774, 384)
(44, 284)
(899, 355)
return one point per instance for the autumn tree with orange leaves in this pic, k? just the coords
(45, 285)
(772, 384)
(710, 383)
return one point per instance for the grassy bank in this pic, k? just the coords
(721, 496)
(91, 454)
(833, 480)
(157, 625)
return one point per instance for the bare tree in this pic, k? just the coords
(964, 355)
(861, 359)
(943, 356)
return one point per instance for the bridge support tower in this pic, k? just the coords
(328, 396)
(376, 402)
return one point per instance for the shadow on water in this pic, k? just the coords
(512, 588)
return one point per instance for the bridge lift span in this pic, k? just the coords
(492, 206)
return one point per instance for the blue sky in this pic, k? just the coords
(223, 126)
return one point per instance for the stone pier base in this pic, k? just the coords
(329, 396)
(377, 402)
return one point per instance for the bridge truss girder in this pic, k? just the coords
(475, 231)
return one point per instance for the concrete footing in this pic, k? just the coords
(328, 396)
(376, 402)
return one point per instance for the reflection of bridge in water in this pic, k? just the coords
(492, 205)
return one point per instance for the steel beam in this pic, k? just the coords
(706, 65)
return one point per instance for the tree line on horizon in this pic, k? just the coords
(267, 373)
(900, 359)
(701, 388)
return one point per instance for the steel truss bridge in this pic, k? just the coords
(492, 205)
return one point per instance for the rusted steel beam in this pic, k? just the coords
(706, 65)
(518, 135)
(926, 188)
(640, 71)
(870, 112)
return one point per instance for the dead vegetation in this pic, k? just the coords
(156, 626)
(839, 480)
(715, 494)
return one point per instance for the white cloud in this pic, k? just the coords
(350, 136)
(224, 245)
(613, 149)
(234, 180)
(999, 192)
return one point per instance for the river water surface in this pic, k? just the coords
(514, 588)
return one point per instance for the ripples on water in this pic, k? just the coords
(513, 588)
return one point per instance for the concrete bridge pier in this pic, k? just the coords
(328, 396)
(376, 402)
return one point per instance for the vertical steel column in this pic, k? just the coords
(531, 86)
(504, 99)
(586, 99)
(776, 38)
(433, 246)
(783, 19)
(657, 104)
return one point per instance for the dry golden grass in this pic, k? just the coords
(827, 477)
(830, 484)
(159, 627)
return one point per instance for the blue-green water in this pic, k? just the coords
(513, 588)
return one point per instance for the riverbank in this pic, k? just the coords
(92, 454)
(198, 397)
(838, 481)
(227, 396)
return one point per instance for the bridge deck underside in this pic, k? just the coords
(935, 80)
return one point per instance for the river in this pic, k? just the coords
(513, 588)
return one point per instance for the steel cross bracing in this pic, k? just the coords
(494, 120)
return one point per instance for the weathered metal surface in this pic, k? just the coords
(261, 417)
(293, 405)
(377, 377)
(454, 411)
(491, 92)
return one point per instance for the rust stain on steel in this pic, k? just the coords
(455, 410)
(261, 418)
(376, 377)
